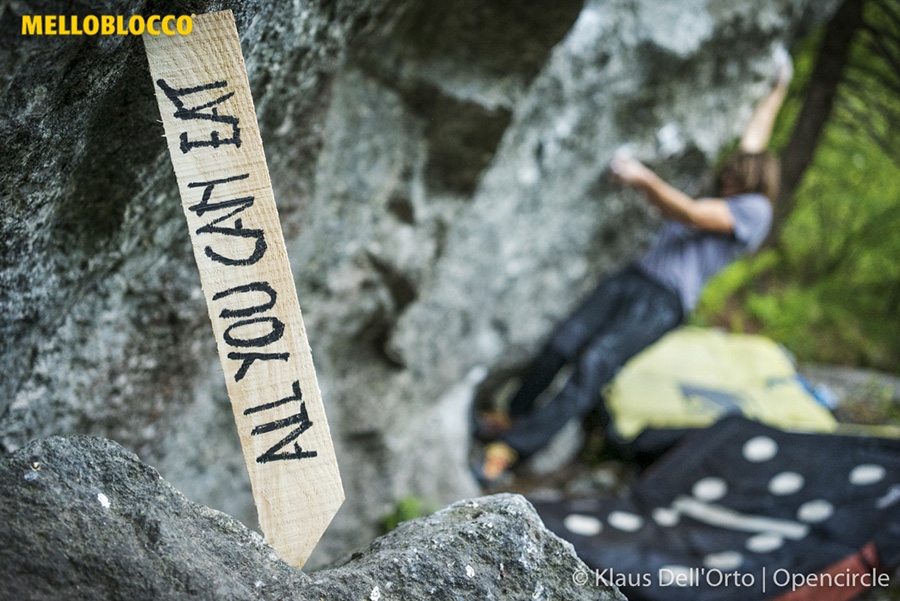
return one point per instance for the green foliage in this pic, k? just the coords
(830, 289)
(407, 508)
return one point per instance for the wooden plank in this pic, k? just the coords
(213, 137)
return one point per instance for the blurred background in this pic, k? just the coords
(441, 173)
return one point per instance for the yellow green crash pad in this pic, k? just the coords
(693, 377)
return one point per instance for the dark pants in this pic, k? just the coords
(625, 314)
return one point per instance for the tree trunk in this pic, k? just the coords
(820, 95)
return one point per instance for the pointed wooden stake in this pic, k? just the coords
(213, 137)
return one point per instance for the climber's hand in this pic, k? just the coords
(629, 171)
(784, 67)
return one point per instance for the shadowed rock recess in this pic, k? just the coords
(82, 518)
(440, 171)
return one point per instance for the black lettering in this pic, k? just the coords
(273, 336)
(301, 420)
(175, 95)
(297, 396)
(246, 312)
(237, 205)
(247, 360)
(278, 424)
(203, 206)
(238, 230)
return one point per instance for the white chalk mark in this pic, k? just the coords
(765, 542)
(759, 449)
(583, 525)
(627, 522)
(786, 483)
(665, 516)
(723, 517)
(726, 560)
(815, 511)
(710, 489)
(866, 474)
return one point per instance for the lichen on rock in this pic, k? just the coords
(84, 519)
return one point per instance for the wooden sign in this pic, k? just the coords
(213, 137)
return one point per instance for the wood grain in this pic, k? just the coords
(213, 138)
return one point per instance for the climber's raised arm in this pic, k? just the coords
(710, 214)
(759, 128)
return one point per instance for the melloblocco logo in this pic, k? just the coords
(106, 25)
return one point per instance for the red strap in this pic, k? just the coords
(855, 573)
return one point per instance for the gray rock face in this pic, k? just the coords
(851, 385)
(84, 519)
(440, 172)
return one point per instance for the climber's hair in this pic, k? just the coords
(758, 172)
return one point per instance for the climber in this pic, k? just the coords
(631, 309)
